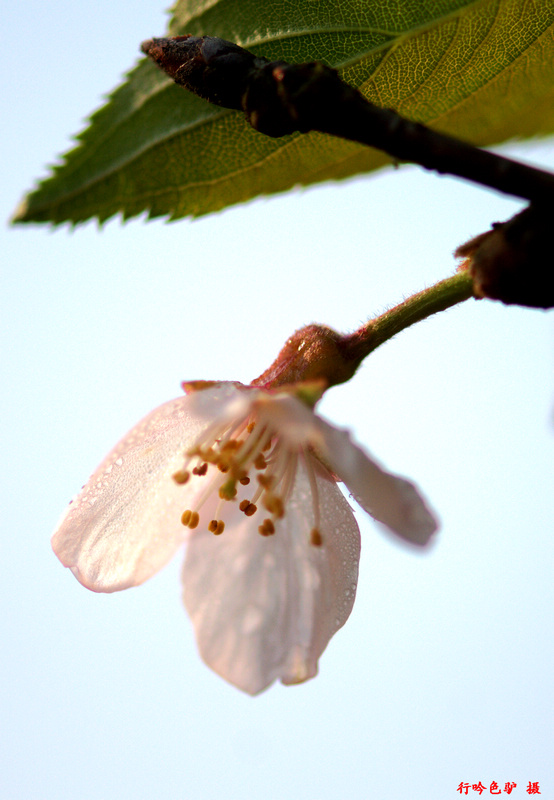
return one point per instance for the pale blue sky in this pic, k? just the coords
(444, 671)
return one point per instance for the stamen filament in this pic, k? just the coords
(289, 475)
(278, 462)
(208, 492)
(252, 447)
(313, 485)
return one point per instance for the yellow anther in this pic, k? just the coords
(251, 427)
(260, 462)
(245, 481)
(274, 504)
(185, 517)
(315, 538)
(223, 467)
(265, 480)
(181, 476)
(194, 520)
(247, 507)
(228, 491)
(267, 528)
(216, 526)
(230, 446)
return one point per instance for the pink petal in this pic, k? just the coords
(265, 607)
(392, 500)
(125, 524)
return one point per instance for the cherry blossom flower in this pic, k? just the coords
(248, 479)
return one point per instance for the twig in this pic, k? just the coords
(280, 98)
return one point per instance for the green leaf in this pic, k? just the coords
(481, 70)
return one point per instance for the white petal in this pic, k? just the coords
(265, 607)
(225, 401)
(392, 500)
(296, 423)
(125, 524)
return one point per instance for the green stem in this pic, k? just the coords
(445, 294)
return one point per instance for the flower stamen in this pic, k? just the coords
(289, 475)
(315, 535)
(274, 504)
(251, 449)
(181, 476)
(260, 462)
(267, 528)
(190, 519)
(229, 490)
(316, 538)
(266, 480)
(216, 526)
(235, 449)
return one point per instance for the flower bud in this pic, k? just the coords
(512, 262)
(212, 68)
